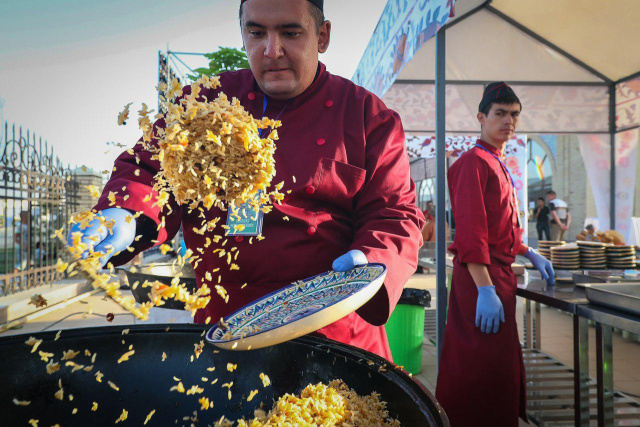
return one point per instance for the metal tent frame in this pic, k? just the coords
(441, 83)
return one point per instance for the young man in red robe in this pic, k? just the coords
(481, 379)
(352, 201)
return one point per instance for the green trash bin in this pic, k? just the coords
(405, 329)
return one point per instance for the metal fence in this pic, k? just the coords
(37, 197)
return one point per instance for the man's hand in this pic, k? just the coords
(350, 260)
(109, 242)
(543, 265)
(489, 310)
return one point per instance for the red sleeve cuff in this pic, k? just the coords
(479, 256)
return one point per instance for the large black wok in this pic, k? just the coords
(164, 273)
(145, 380)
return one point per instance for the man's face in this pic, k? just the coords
(550, 197)
(501, 123)
(282, 43)
(541, 203)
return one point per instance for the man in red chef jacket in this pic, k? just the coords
(481, 374)
(352, 201)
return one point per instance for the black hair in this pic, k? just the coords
(551, 193)
(507, 100)
(541, 198)
(316, 13)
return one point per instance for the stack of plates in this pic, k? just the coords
(621, 257)
(544, 247)
(565, 257)
(593, 255)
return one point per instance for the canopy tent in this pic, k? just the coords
(575, 66)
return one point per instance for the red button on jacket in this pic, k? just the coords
(310, 189)
(311, 231)
(251, 96)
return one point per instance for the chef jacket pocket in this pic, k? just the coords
(339, 180)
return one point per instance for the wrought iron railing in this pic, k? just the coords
(37, 196)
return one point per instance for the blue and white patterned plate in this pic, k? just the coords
(298, 309)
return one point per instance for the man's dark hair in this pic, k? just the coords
(541, 198)
(508, 100)
(551, 193)
(316, 14)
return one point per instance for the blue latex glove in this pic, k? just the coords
(98, 237)
(489, 310)
(543, 265)
(350, 260)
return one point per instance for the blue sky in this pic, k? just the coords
(67, 67)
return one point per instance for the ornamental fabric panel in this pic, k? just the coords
(628, 104)
(546, 109)
(405, 25)
(595, 150)
(424, 146)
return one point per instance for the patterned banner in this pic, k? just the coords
(628, 104)
(405, 25)
(515, 153)
(595, 151)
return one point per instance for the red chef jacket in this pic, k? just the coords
(352, 190)
(481, 377)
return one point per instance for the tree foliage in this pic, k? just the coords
(225, 59)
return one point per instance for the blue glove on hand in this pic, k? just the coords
(350, 260)
(543, 265)
(98, 237)
(489, 310)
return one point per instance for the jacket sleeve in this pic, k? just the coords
(388, 223)
(131, 187)
(467, 188)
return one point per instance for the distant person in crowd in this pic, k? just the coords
(40, 254)
(21, 239)
(429, 229)
(560, 216)
(588, 234)
(430, 211)
(541, 215)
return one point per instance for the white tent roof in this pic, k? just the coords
(488, 44)
(560, 56)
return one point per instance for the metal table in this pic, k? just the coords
(567, 299)
(572, 300)
(605, 320)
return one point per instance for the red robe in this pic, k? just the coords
(353, 190)
(481, 377)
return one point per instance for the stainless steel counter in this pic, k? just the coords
(610, 406)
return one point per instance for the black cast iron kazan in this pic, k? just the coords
(144, 380)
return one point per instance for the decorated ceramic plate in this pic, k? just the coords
(298, 309)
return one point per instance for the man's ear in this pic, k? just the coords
(324, 37)
(481, 118)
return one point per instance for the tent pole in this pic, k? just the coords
(441, 242)
(612, 178)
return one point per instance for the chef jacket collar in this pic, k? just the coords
(493, 150)
(321, 77)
